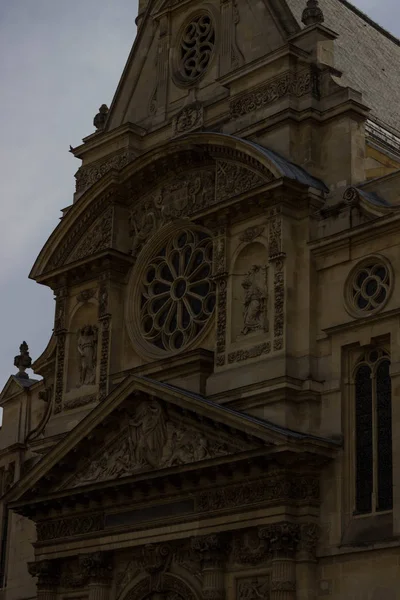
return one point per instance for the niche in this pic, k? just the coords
(82, 351)
(249, 299)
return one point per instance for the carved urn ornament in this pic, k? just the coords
(100, 119)
(23, 361)
(312, 14)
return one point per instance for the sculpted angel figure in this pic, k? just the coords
(87, 349)
(255, 298)
(148, 434)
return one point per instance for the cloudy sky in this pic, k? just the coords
(59, 62)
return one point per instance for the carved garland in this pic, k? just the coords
(292, 84)
(276, 257)
(105, 321)
(220, 276)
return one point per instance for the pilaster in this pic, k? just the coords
(213, 550)
(282, 538)
(98, 569)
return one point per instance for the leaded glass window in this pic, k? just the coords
(373, 434)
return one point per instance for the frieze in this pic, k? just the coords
(88, 175)
(287, 84)
(69, 527)
(274, 489)
(247, 354)
(233, 179)
(99, 237)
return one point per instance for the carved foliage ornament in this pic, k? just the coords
(188, 119)
(233, 180)
(88, 175)
(97, 238)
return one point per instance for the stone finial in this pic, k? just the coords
(23, 361)
(100, 119)
(312, 14)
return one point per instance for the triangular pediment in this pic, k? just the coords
(146, 428)
(14, 386)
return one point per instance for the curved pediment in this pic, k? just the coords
(189, 176)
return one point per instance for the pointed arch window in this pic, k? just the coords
(373, 434)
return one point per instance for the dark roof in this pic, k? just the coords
(373, 198)
(245, 417)
(368, 55)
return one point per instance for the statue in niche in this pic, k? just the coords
(148, 434)
(87, 349)
(255, 300)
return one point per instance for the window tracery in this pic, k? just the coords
(373, 433)
(196, 47)
(369, 286)
(177, 295)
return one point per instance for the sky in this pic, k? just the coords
(59, 62)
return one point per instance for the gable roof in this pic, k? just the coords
(368, 56)
(265, 432)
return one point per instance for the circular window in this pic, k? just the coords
(177, 294)
(196, 47)
(369, 286)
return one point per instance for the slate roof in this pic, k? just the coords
(368, 55)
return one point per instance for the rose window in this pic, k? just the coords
(369, 287)
(178, 295)
(196, 47)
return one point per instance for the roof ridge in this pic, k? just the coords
(371, 22)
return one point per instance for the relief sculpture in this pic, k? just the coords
(151, 440)
(87, 350)
(255, 300)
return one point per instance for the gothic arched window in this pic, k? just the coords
(373, 434)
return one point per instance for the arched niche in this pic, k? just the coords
(82, 352)
(249, 292)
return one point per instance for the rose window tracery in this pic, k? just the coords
(177, 292)
(196, 47)
(369, 287)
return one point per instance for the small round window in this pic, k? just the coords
(196, 47)
(369, 286)
(177, 293)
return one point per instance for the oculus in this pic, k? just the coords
(177, 294)
(196, 47)
(368, 286)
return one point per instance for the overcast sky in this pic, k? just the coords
(59, 61)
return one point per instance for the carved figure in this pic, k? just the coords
(148, 434)
(100, 119)
(254, 285)
(87, 349)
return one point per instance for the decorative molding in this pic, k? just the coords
(59, 387)
(191, 117)
(222, 293)
(69, 527)
(233, 179)
(104, 357)
(288, 84)
(87, 175)
(78, 402)
(247, 354)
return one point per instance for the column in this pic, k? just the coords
(98, 569)
(48, 578)
(306, 562)
(213, 550)
(282, 539)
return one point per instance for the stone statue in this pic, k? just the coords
(87, 349)
(100, 119)
(148, 434)
(254, 285)
(23, 361)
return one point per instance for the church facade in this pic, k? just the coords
(216, 417)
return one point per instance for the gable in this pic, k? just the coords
(159, 77)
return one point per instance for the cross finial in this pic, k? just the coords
(312, 14)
